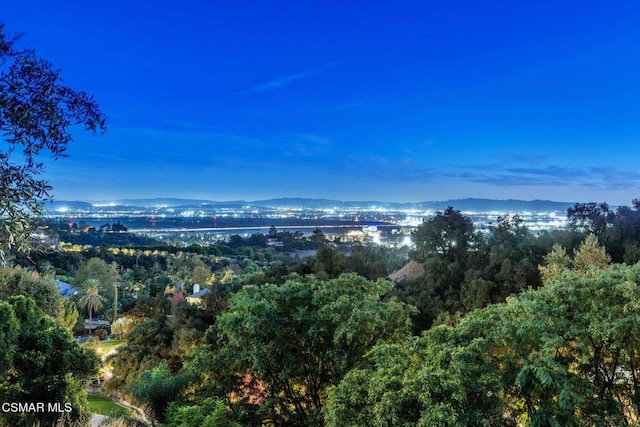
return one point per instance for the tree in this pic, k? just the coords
(9, 330)
(590, 217)
(295, 340)
(590, 255)
(566, 354)
(440, 379)
(42, 289)
(375, 261)
(91, 299)
(36, 114)
(45, 364)
(318, 236)
(122, 326)
(329, 263)
(155, 390)
(96, 269)
(449, 235)
(445, 245)
(623, 236)
(68, 316)
(556, 262)
(201, 274)
(148, 345)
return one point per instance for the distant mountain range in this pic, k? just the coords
(469, 204)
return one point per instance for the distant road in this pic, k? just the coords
(222, 229)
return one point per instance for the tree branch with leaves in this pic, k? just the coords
(37, 112)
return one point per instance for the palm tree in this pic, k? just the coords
(91, 300)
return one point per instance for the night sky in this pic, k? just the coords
(351, 100)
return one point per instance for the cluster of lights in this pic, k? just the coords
(405, 219)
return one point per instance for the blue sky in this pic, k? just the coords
(410, 101)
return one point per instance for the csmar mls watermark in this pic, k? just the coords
(37, 407)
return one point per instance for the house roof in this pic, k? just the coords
(200, 294)
(65, 289)
(407, 274)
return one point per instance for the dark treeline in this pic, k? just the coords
(465, 270)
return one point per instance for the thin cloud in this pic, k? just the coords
(283, 81)
(553, 175)
(381, 169)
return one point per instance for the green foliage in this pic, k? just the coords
(68, 316)
(44, 364)
(299, 338)
(574, 348)
(122, 326)
(618, 231)
(201, 274)
(185, 416)
(9, 330)
(448, 234)
(565, 354)
(42, 290)
(329, 263)
(183, 266)
(588, 258)
(556, 262)
(590, 255)
(148, 345)
(209, 413)
(591, 217)
(443, 245)
(155, 390)
(219, 417)
(36, 114)
(189, 323)
(375, 261)
(440, 379)
(465, 270)
(91, 299)
(96, 269)
(123, 420)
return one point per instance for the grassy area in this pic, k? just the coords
(103, 405)
(108, 345)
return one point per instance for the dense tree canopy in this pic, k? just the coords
(155, 389)
(297, 339)
(465, 269)
(40, 362)
(148, 345)
(41, 289)
(566, 354)
(96, 269)
(448, 234)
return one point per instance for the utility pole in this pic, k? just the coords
(115, 301)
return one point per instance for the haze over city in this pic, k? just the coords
(409, 101)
